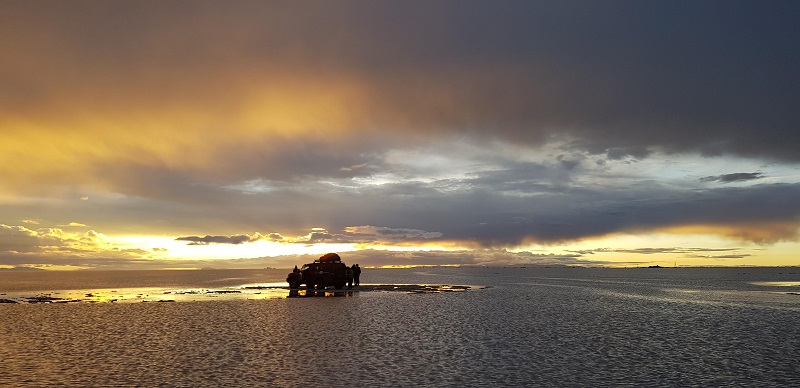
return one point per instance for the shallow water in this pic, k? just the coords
(528, 326)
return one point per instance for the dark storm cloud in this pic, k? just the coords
(719, 257)
(350, 234)
(687, 252)
(236, 240)
(630, 74)
(393, 234)
(320, 237)
(650, 251)
(493, 217)
(734, 177)
(617, 153)
(541, 202)
(475, 257)
(712, 77)
(501, 207)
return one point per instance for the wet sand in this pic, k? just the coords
(251, 292)
(404, 327)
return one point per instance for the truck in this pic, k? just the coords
(328, 270)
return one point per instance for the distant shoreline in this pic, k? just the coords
(37, 269)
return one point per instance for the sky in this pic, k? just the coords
(253, 134)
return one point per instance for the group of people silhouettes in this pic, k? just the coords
(354, 273)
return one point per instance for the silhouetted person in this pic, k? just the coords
(349, 274)
(295, 270)
(356, 274)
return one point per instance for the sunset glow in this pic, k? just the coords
(231, 138)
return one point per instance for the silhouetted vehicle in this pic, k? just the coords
(328, 270)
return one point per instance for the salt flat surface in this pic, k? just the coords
(522, 326)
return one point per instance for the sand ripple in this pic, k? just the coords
(525, 330)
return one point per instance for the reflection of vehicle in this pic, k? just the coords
(328, 270)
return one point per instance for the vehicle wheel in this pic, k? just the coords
(339, 286)
(321, 286)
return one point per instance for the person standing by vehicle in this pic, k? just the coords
(356, 274)
(349, 275)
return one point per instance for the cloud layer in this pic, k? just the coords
(390, 123)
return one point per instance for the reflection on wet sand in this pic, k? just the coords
(418, 289)
(406, 288)
(305, 293)
(129, 295)
(777, 284)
